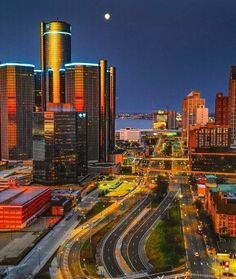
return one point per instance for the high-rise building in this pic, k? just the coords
(221, 109)
(59, 145)
(232, 103)
(83, 93)
(171, 120)
(16, 106)
(200, 115)
(104, 117)
(112, 108)
(189, 106)
(164, 119)
(209, 136)
(55, 48)
(90, 87)
(37, 90)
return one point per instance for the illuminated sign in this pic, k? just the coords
(48, 115)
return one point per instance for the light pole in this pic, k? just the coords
(90, 233)
(39, 261)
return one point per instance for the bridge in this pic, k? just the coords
(187, 172)
(167, 159)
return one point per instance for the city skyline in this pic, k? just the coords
(189, 45)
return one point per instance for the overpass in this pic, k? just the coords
(187, 172)
(167, 159)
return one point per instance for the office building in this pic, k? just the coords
(190, 103)
(209, 136)
(112, 109)
(171, 120)
(160, 120)
(221, 205)
(130, 134)
(221, 109)
(55, 52)
(16, 106)
(59, 145)
(232, 103)
(82, 92)
(164, 119)
(20, 206)
(90, 87)
(104, 106)
(200, 115)
(37, 90)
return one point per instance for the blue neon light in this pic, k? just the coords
(17, 64)
(81, 64)
(62, 70)
(57, 32)
(38, 71)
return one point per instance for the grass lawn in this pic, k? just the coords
(122, 190)
(99, 207)
(165, 246)
(109, 185)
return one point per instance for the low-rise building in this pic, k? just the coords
(130, 134)
(74, 195)
(221, 205)
(21, 205)
(61, 205)
(209, 136)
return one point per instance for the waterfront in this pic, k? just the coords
(133, 123)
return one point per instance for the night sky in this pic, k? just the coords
(162, 48)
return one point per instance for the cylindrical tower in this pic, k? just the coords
(55, 44)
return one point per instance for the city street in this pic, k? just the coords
(197, 258)
(133, 249)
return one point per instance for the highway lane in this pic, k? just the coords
(132, 248)
(200, 265)
(109, 260)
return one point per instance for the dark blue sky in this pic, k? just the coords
(162, 48)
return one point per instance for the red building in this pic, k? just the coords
(208, 136)
(221, 109)
(20, 206)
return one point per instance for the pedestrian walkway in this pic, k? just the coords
(202, 275)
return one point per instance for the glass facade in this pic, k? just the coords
(91, 88)
(104, 101)
(16, 106)
(59, 147)
(55, 44)
(37, 90)
(82, 91)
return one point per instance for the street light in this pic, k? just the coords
(39, 261)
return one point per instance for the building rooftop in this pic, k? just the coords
(224, 188)
(20, 195)
(65, 191)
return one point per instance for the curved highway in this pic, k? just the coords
(133, 244)
(132, 250)
(109, 260)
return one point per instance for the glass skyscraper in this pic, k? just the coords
(37, 90)
(16, 106)
(90, 87)
(55, 48)
(59, 145)
(82, 92)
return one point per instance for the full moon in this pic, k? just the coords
(107, 16)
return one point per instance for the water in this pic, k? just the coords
(133, 123)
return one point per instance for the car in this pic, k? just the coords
(196, 254)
